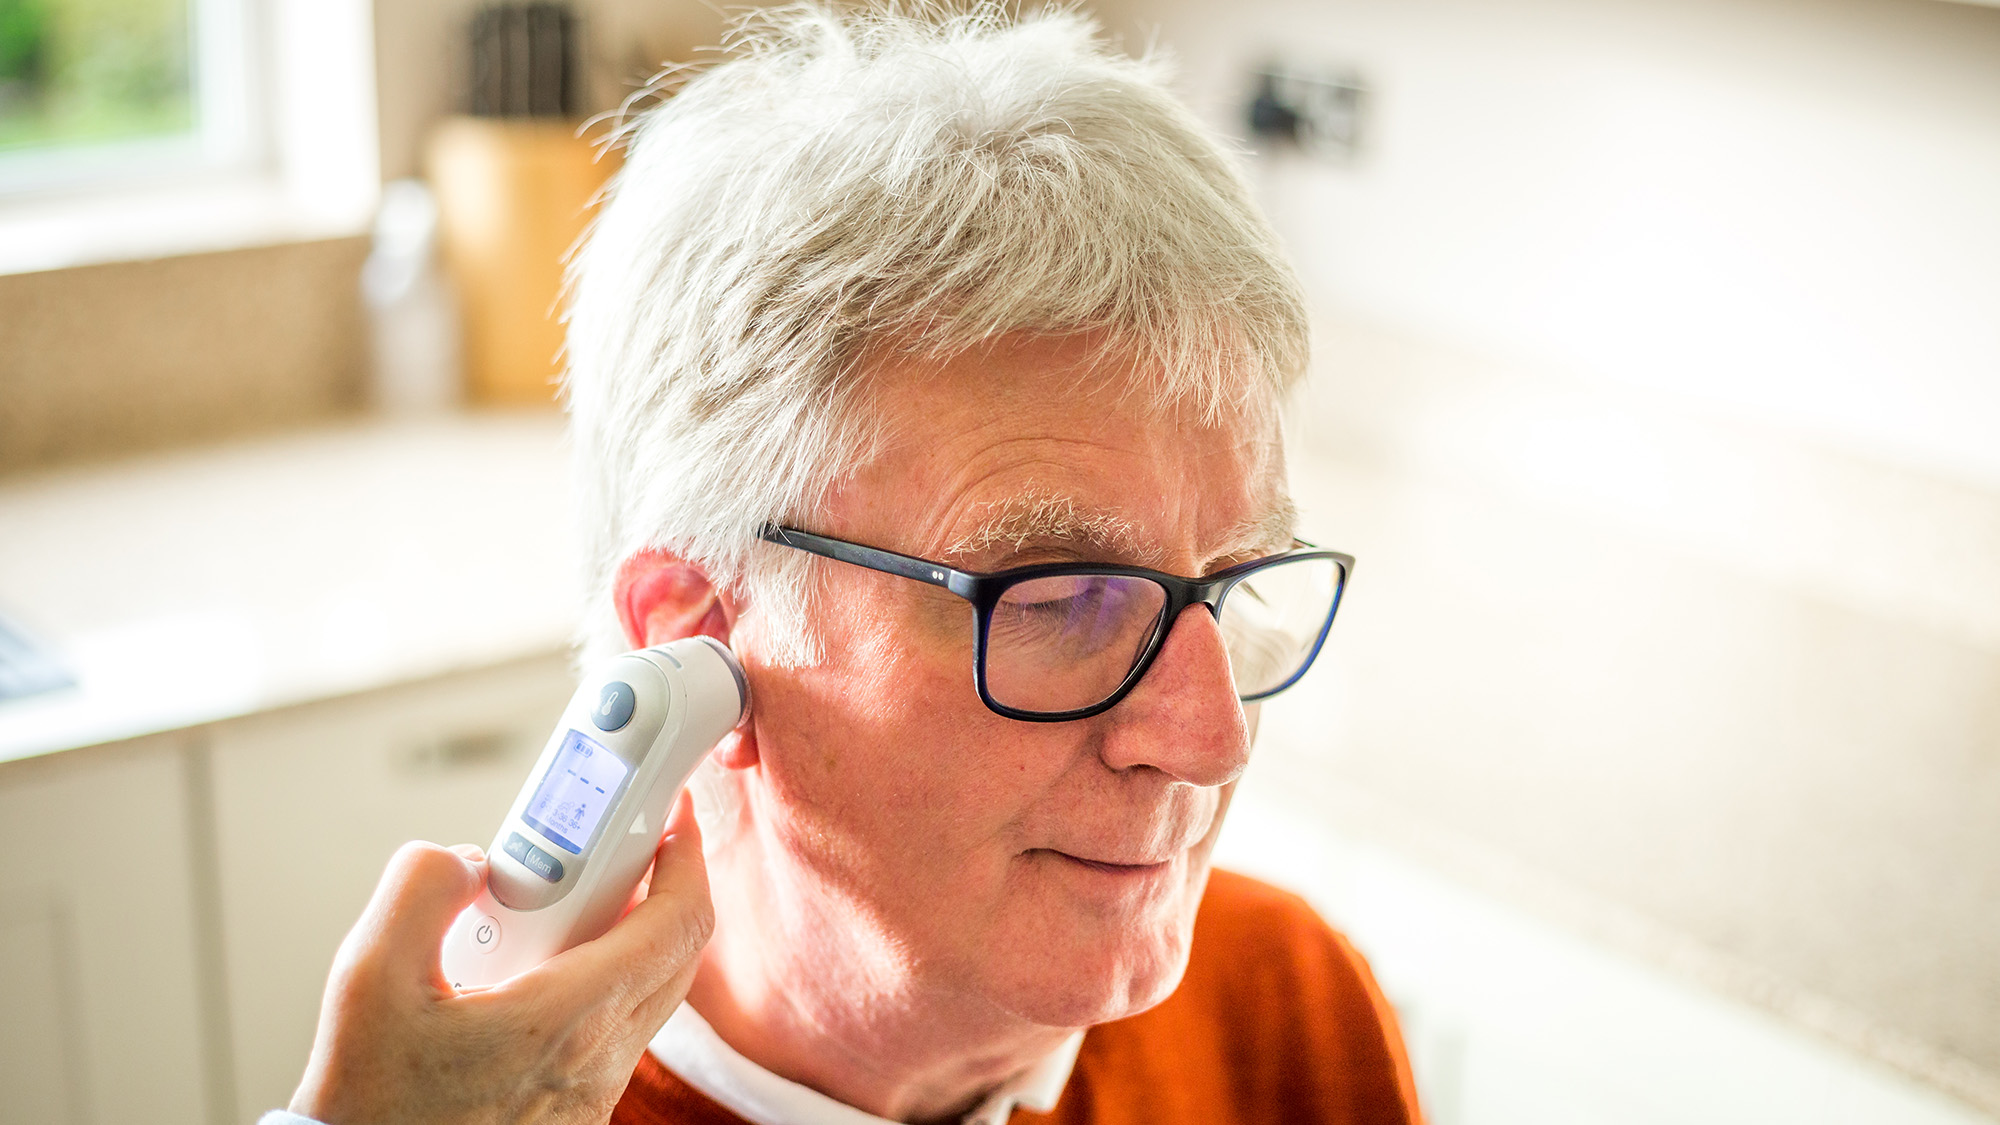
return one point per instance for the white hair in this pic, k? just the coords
(847, 185)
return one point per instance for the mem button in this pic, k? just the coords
(534, 858)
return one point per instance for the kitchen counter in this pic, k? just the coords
(206, 584)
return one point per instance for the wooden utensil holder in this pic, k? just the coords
(514, 195)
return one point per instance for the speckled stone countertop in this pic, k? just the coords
(203, 584)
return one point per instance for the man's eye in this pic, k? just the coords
(1070, 617)
(1043, 611)
(1065, 594)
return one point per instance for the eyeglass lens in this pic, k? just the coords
(1272, 620)
(1066, 642)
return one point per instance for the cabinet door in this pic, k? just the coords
(311, 802)
(101, 1013)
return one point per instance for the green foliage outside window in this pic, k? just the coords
(78, 72)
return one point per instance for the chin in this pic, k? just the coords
(1077, 960)
(1094, 990)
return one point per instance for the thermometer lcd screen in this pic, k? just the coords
(581, 785)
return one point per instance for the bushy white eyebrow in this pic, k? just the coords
(1273, 531)
(1056, 518)
(1048, 517)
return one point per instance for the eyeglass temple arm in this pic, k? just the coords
(874, 558)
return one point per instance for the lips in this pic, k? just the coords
(1110, 867)
(1129, 855)
(1134, 853)
(1136, 844)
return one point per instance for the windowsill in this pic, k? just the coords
(234, 214)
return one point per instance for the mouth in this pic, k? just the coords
(1117, 870)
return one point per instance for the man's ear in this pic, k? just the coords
(662, 597)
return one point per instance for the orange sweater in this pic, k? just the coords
(1276, 1022)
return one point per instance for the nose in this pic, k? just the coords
(1183, 717)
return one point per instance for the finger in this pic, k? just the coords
(679, 854)
(652, 1012)
(644, 887)
(638, 895)
(401, 933)
(661, 936)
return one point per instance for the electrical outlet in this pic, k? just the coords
(1320, 116)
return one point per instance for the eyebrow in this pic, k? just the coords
(1047, 518)
(1052, 518)
(1275, 530)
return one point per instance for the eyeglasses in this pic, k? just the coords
(1065, 641)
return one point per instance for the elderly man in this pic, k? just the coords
(935, 365)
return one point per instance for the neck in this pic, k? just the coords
(825, 1002)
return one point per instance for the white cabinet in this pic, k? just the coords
(311, 801)
(172, 904)
(101, 970)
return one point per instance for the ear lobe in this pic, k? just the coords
(662, 597)
(737, 750)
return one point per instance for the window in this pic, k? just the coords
(140, 128)
(98, 93)
(87, 71)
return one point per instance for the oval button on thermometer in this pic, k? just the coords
(614, 706)
(585, 826)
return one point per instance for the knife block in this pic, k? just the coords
(514, 195)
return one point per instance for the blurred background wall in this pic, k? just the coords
(115, 358)
(1658, 393)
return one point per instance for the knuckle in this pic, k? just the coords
(669, 946)
(565, 1062)
(577, 1054)
(683, 940)
(422, 859)
(699, 923)
(421, 868)
(675, 935)
(357, 964)
(413, 852)
(353, 969)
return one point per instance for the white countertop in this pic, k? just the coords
(198, 585)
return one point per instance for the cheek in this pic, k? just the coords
(885, 774)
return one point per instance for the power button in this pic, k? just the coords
(486, 934)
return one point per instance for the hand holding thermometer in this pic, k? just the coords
(585, 825)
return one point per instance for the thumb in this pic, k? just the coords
(401, 934)
(679, 868)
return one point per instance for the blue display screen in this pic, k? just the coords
(581, 786)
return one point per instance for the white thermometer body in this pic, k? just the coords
(585, 826)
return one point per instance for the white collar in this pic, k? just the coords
(690, 1048)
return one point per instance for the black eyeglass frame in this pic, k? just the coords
(984, 591)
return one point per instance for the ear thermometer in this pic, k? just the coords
(583, 829)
